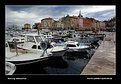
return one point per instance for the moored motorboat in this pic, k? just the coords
(32, 44)
(76, 46)
(18, 58)
(18, 40)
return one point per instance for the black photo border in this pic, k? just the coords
(47, 78)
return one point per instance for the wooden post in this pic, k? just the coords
(16, 48)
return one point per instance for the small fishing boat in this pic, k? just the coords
(19, 58)
(76, 46)
(33, 42)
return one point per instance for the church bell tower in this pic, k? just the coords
(80, 14)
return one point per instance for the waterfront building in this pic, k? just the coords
(88, 23)
(36, 26)
(57, 25)
(111, 24)
(71, 22)
(27, 26)
(47, 22)
(74, 22)
(102, 25)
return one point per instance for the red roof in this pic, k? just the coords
(47, 19)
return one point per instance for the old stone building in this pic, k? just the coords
(88, 23)
(57, 25)
(37, 26)
(47, 22)
(102, 25)
(71, 22)
(111, 24)
(74, 22)
(27, 26)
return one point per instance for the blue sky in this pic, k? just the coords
(21, 14)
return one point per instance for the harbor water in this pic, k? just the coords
(72, 63)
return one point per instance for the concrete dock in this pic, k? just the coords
(103, 62)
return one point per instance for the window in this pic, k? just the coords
(34, 47)
(38, 39)
(77, 44)
(30, 39)
(15, 40)
(70, 45)
(50, 46)
(39, 47)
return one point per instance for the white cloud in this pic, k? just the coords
(20, 17)
(92, 9)
(34, 13)
(97, 9)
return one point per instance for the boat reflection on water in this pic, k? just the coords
(73, 65)
(68, 64)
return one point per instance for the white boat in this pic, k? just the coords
(75, 46)
(10, 68)
(48, 36)
(32, 44)
(18, 39)
(22, 59)
(18, 58)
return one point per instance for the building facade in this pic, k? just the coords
(57, 25)
(102, 25)
(72, 22)
(37, 26)
(27, 26)
(88, 23)
(47, 22)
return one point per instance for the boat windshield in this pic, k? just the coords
(71, 45)
(77, 44)
(30, 39)
(38, 39)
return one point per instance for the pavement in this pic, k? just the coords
(103, 62)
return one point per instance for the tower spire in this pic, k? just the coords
(80, 14)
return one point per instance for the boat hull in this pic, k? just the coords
(59, 53)
(25, 62)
